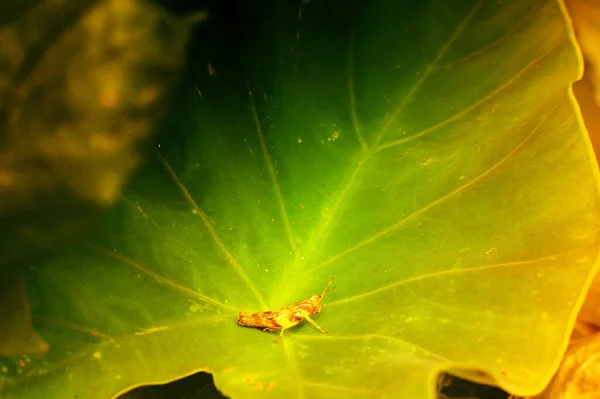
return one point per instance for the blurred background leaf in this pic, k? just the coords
(81, 86)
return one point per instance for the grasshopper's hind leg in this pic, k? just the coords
(311, 321)
(280, 336)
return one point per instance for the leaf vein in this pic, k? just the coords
(347, 187)
(74, 327)
(269, 162)
(430, 68)
(211, 230)
(115, 341)
(468, 109)
(372, 336)
(443, 273)
(352, 96)
(294, 366)
(435, 203)
(507, 35)
(160, 279)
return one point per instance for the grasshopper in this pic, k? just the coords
(287, 316)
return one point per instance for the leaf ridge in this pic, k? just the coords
(430, 68)
(75, 327)
(294, 366)
(115, 341)
(369, 337)
(269, 162)
(468, 109)
(347, 187)
(162, 280)
(507, 35)
(443, 273)
(211, 230)
(351, 95)
(433, 204)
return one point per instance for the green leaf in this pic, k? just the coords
(429, 156)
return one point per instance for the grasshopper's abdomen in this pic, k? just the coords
(260, 319)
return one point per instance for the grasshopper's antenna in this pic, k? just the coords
(327, 289)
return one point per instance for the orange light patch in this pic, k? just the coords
(258, 386)
(271, 386)
(109, 98)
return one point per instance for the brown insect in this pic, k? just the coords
(288, 316)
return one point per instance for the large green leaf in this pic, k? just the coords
(429, 156)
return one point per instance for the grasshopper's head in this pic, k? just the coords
(315, 303)
(316, 300)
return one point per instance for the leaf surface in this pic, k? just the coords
(429, 156)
